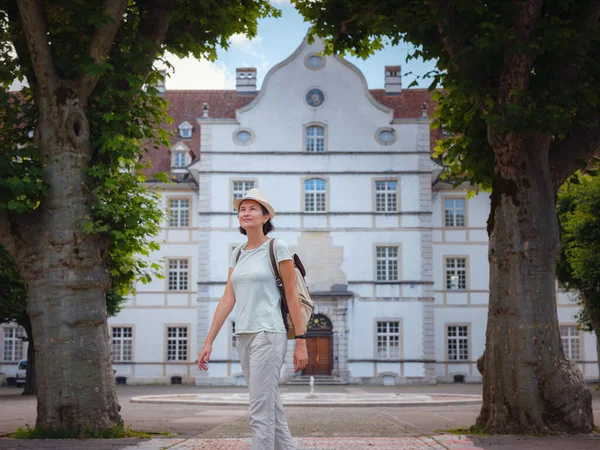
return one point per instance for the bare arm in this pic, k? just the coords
(288, 276)
(224, 308)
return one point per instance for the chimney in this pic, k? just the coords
(245, 80)
(393, 80)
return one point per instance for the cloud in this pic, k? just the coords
(246, 45)
(280, 2)
(190, 73)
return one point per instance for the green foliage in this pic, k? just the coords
(563, 90)
(117, 432)
(13, 293)
(21, 182)
(578, 268)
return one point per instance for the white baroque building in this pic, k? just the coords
(396, 259)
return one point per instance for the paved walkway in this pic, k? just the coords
(318, 428)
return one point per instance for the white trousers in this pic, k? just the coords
(261, 356)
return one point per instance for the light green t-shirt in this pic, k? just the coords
(257, 296)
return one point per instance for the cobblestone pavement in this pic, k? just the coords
(320, 428)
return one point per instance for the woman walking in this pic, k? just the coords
(262, 339)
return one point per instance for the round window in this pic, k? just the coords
(243, 137)
(315, 97)
(386, 136)
(314, 62)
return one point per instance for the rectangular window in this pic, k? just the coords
(13, 348)
(388, 340)
(122, 344)
(178, 274)
(179, 213)
(456, 273)
(454, 212)
(315, 199)
(458, 343)
(177, 344)
(234, 352)
(569, 334)
(179, 159)
(315, 139)
(387, 263)
(241, 188)
(386, 196)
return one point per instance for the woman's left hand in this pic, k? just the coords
(300, 355)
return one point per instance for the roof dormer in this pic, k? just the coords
(181, 157)
(185, 130)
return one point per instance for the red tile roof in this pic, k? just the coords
(186, 105)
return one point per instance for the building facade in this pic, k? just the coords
(396, 258)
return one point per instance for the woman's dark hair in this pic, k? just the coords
(267, 227)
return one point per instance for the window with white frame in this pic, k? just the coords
(456, 274)
(12, 347)
(178, 274)
(234, 352)
(386, 193)
(179, 212)
(387, 263)
(388, 340)
(569, 334)
(315, 195)
(458, 343)
(177, 343)
(454, 212)
(179, 159)
(241, 188)
(122, 344)
(315, 139)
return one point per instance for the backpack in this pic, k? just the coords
(307, 306)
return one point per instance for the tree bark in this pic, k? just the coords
(67, 280)
(31, 379)
(529, 386)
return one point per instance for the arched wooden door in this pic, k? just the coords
(320, 346)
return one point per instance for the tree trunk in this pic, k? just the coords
(30, 380)
(67, 280)
(529, 386)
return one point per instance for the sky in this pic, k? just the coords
(276, 40)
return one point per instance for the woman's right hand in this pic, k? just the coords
(204, 356)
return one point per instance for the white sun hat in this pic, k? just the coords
(256, 195)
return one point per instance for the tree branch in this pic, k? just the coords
(156, 15)
(589, 19)
(447, 28)
(15, 27)
(6, 237)
(36, 36)
(101, 43)
(573, 153)
(516, 68)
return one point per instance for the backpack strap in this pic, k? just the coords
(279, 281)
(273, 264)
(239, 253)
